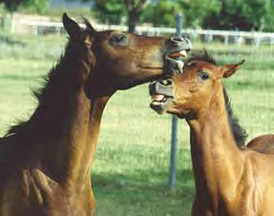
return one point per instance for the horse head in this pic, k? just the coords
(123, 60)
(187, 94)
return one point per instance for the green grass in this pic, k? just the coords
(130, 171)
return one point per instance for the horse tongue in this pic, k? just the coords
(157, 97)
(182, 53)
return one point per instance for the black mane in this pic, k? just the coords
(238, 131)
(202, 56)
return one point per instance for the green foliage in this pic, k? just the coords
(134, 10)
(237, 14)
(268, 19)
(161, 14)
(208, 14)
(112, 11)
(13, 5)
(109, 11)
(39, 6)
(195, 11)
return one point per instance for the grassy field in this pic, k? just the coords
(130, 171)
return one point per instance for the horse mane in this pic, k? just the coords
(41, 94)
(238, 131)
(202, 56)
(51, 84)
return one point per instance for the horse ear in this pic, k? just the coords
(89, 26)
(228, 70)
(72, 28)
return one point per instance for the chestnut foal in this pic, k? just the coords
(230, 181)
(45, 161)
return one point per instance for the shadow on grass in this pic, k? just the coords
(11, 41)
(119, 195)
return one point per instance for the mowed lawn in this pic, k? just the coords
(130, 171)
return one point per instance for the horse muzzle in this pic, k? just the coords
(176, 48)
(161, 92)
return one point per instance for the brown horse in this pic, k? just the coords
(45, 161)
(230, 181)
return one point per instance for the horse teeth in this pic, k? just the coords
(183, 53)
(158, 98)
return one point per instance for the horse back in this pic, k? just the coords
(263, 144)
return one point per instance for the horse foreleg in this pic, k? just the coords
(200, 208)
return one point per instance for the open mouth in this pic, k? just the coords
(161, 92)
(158, 99)
(177, 49)
(160, 103)
(178, 55)
(174, 61)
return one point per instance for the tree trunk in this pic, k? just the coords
(133, 19)
(134, 9)
(6, 22)
(223, 8)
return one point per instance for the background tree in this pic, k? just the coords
(134, 10)
(39, 6)
(112, 11)
(162, 13)
(268, 19)
(196, 11)
(237, 14)
(208, 14)
(109, 11)
(13, 5)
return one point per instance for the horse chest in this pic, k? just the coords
(37, 196)
(60, 202)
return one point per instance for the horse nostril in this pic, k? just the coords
(166, 82)
(177, 39)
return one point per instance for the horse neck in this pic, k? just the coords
(84, 139)
(216, 159)
(66, 123)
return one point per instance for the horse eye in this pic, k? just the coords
(204, 75)
(119, 39)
